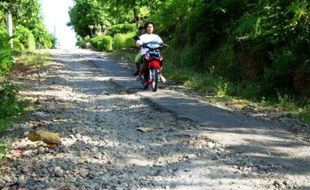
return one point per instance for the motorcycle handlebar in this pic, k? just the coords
(145, 45)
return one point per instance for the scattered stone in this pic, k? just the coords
(28, 153)
(276, 184)
(58, 171)
(22, 180)
(40, 114)
(25, 127)
(211, 145)
(41, 150)
(102, 130)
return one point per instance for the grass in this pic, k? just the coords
(126, 55)
(26, 61)
(3, 148)
(32, 58)
(216, 89)
(6, 122)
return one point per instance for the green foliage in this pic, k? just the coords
(304, 113)
(89, 17)
(43, 38)
(277, 32)
(2, 148)
(263, 42)
(121, 28)
(224, 62)
(28, 14)
(25, 37)
(83, 42)
(107, 42)
(121, 41)
(260, 47)
(96, 43)
(5, 53)
(18, 46)
(8, 101)
(30, 58)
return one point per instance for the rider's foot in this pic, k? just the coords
(163, 79)
(136, 73)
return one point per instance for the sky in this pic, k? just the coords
(56, 17)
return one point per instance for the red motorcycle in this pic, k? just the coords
(152, 60)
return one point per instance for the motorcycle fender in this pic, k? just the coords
(154, 64)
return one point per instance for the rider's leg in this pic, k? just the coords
(138, 62)
(161, 77)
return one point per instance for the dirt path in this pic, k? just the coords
(102, 147)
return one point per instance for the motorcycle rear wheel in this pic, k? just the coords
(143, 80)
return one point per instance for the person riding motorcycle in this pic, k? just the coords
(149, 36)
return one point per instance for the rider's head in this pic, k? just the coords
(149, 27)
(141, 29)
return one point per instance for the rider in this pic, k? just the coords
(149, 36)
(138, 58)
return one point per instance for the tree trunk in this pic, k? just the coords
(136, 16)
(9, 24)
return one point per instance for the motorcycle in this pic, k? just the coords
(152, 62)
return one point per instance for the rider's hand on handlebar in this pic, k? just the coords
(165, 45)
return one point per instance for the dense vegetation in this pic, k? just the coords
(262, 45)
(29, 33)
(255, 49)
(108, 25)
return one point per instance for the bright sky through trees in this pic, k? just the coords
(55, 14)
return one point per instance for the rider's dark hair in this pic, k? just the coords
(147, 23)
(141, 27)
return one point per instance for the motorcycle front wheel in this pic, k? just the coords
(155, 78)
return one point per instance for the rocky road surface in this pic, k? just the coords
(119, 138)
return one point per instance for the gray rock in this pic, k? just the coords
(211, 145)
(98, 155)
(41, 150)
(22, 180)
(10, 179)
(2, 183)
(25, 127)
(40, 114)
(84, 173)
(276, 184)
(58, 171)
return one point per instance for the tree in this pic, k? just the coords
(89, 15)
(28, 14)
(121, 6)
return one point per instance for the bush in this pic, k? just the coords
(80, 42)
(26, 37)
(5, 53)
(102, 43)
(8, 101)
(121, 41)
(83, 42)
(42, 37)
(96, 43)
(18, 45)
(107, 42)
(261, 42)
(122, 29)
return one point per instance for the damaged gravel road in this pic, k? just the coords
(116, 136)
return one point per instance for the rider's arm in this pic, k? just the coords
(159, 40)
(139, 42)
